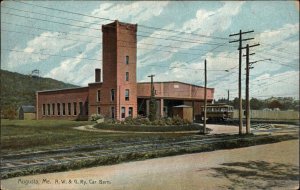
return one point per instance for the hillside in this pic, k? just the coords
(18, 89)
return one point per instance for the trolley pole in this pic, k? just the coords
(205, 98)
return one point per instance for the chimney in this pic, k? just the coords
(97, 75)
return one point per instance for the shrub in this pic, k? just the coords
(9, 113)
(111, 121)
(95, 117)
(129, 120)
(145, 121)
(168, 121)
(139, 120)
(177, 120)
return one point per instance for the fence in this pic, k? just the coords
(270, 114)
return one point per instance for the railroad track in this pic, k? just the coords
(14, 162)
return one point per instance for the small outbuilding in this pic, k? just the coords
(184, 112)
(27, 112)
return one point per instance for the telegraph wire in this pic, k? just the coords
(53, 37)
(50, 21)
(48, 15)
(45, 29)
(107, 19)
(112, 26)
(73, 19)
(50, 54)
(43, 36)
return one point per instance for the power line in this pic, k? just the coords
(44, 36)
(46, 29)
(50, 21)
(194, 42)
(76, 20)
(47, 15)
(102, 18)
(49, 54)
(65, 11)
(278, 62)
(179, 67)
(94, 37)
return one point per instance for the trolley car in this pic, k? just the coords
(217, 112)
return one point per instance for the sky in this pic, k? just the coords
(63, 40)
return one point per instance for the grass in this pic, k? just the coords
(144, 128)
(35, 135)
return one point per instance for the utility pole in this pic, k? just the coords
(240, 74)
(205, 99)
(228, 97)
(152, 104)
(247, 92)
(247, 88)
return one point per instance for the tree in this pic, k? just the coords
(9, 112)
(275, 104)
(152, 109)
(236, 103)
(152, 105)
(256, 104)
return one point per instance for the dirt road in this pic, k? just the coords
(273, 165)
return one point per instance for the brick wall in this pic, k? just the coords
(176, 90)
(119, 41)
(61, 97)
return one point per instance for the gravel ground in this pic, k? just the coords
(271, 166)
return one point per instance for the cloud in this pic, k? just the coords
(285, 83)
(137, 12)
(212, 21)
(218, 20)
(37, 49)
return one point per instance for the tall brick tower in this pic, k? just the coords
(119, 70)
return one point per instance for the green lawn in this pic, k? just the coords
(22, 135)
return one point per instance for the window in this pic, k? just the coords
(48, 109)
(123, 112)
(98, 110)
(64, 108)
(75, 108)
(58, 108)
(130, 112)
(127, 59)
(80, 108)
(113, 112)
(127, 95)
(112, 93)
(127, 76)
(69, 108)
(98, 95)
(44, 109)
(53, 109)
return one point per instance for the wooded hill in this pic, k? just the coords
(18, 89)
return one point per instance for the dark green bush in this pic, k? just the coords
(138, 121)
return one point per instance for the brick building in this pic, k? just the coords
(118, 95)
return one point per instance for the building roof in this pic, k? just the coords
(173, 82)
(75, 88)
(28, 109)
(182, 106)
